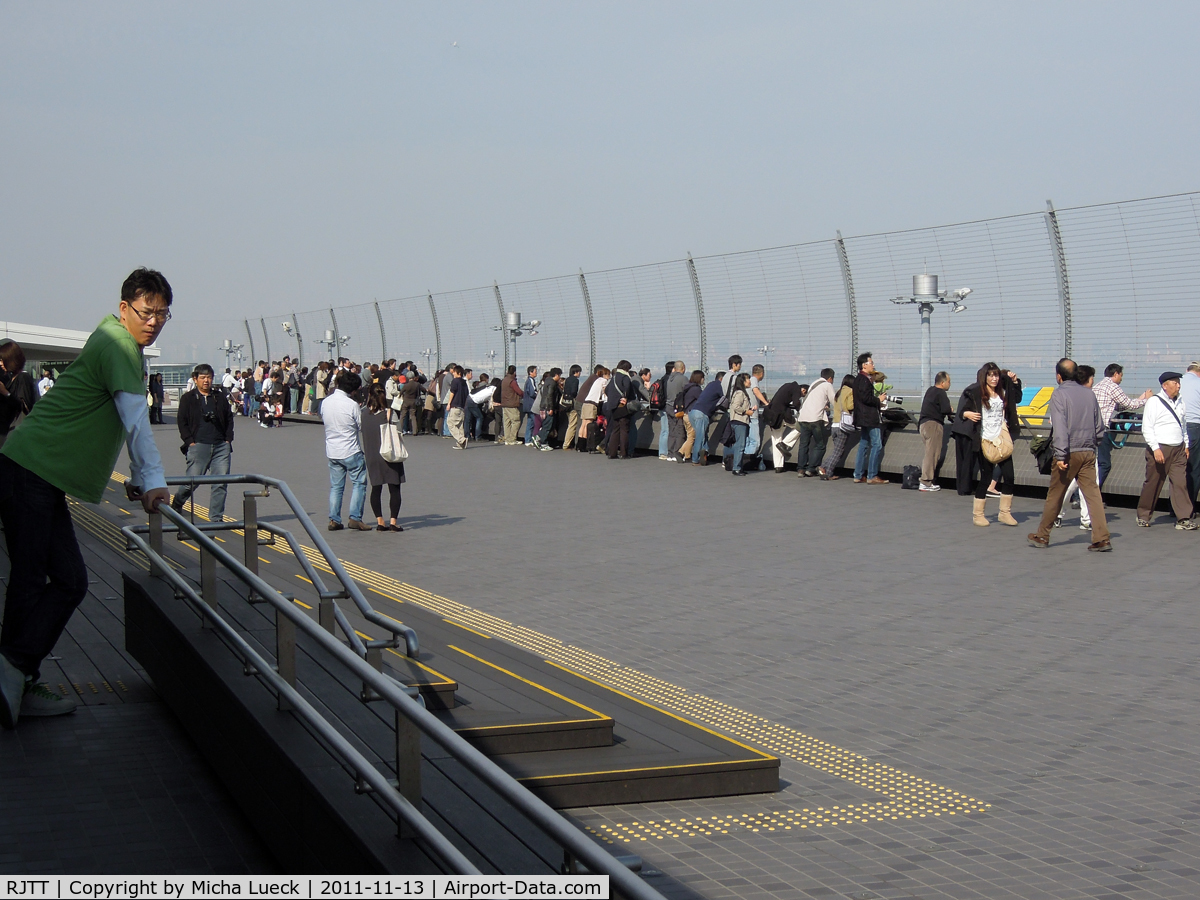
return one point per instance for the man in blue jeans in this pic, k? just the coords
(700, 415)
(343, 448)
(867, 417)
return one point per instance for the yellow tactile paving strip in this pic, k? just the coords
(909, 797)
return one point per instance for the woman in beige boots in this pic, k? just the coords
(987, 411)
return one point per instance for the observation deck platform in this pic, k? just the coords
(955, 715)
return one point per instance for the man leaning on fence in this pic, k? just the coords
(68, 445)
(1076, 429)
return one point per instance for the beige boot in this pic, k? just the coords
(977, 513)
(1005, 517)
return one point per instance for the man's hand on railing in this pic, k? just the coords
(149, 499)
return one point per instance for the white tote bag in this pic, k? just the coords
(391, 445)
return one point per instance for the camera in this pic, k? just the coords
(210, 416)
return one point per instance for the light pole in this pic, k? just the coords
(925, 295)
(332, 342)
(427, 353)
(229, 348)
(513, 329)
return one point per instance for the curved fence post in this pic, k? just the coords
(848, 284)
(336, 350)
(437, 332)
(503, 322)
(696, 295)
(382, 334)
(250, 337)
(587, 305)
(1060, 273)
(299, 341)
(266, 339)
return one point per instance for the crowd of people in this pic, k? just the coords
(63, 437)
(814, 426)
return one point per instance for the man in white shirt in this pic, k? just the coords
(228, 381)
(1166, 454)
(813, 424)
(343, 448)
(45, 384)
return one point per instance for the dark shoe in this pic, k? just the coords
(358, 525)
(1100, 547)
(832, 477)
(738, 472)
(395, 528)
(1040, 543)
(335, 526)
(381, 528)
(878, 480)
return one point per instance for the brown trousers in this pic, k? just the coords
(1173, 467)
(931, 434)
(1082, 466)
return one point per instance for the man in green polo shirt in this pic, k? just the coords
(69, 444)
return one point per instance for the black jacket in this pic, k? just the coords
(22, 394)
(620, 385)
(783, 405)
(866, 402)
(970, 402)
(191, 415)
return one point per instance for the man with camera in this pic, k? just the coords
(206, 427)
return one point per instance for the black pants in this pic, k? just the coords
(156, 414)
(966, 464)
(811, 448)
(393, 500)
(41, 546)
(618, 437)
(1005, 482)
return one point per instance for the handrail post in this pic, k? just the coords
(250, 534)
(408, 765)
(325, 614)
(285, 653)
(156, 543)
(208, 581)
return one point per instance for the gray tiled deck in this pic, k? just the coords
(878, 620)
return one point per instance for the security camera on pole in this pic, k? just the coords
(925, 295)
(513, 329)
(229, 348)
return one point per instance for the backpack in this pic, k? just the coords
(658, 394)
(911, 478)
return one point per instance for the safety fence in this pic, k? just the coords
(1115, 282)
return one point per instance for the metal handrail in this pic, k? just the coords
(575, 843)
(364, 770)
(412, 647)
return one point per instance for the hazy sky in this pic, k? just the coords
(272, 157)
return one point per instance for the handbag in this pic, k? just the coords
(847, 421)
(1000, 449)
(391, 445)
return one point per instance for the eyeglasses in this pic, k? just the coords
(161, 315)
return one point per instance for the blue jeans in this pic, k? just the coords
(207, 459)
(664, 433)
(1193, 463)
(753, 436)
(700, 425)
(474, 421)
(529, 427)
(872, 438)
(741, 433)
(356, 467)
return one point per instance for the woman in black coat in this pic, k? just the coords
(1002, 388)
(375, 414)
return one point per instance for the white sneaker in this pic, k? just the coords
(39, 700)
(1085, 524)
(929, 487)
